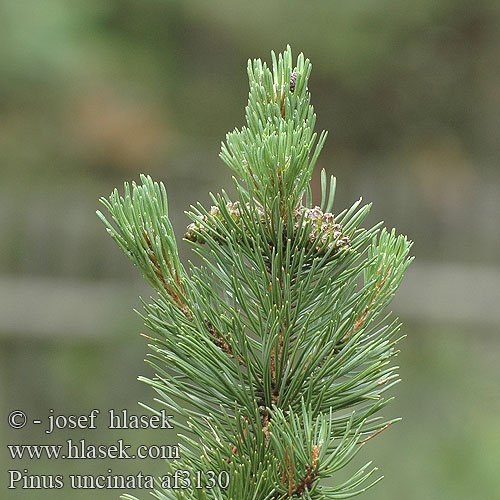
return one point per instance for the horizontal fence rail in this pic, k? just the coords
(47, 307)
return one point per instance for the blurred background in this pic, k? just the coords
(94, 93)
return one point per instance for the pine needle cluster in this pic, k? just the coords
(275, 353)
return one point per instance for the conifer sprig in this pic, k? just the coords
(272, 153)
(275, 352)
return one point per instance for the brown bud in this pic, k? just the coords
(293, 78)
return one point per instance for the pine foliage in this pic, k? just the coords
(275, 352)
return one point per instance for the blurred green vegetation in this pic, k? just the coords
(93, 93)
(446, 447)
